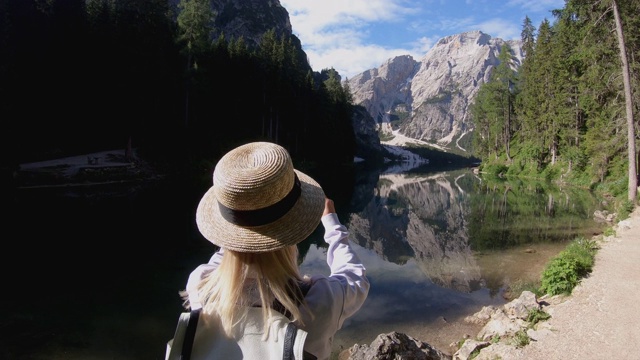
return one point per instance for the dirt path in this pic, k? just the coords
(601, 319)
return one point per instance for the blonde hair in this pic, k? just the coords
(274, 275)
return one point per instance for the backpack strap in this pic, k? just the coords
(289, 339)
(190, 334)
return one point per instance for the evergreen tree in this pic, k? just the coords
(505, 77)
(526, 111)
(528, 37)
(603, 91)
(569, 67)
(493, 111)
(195, 19)
(535, 112)
(483, 113)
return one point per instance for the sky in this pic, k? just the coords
(353, 36)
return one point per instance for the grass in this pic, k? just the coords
(610, 231)
(537, 315)
(521, 339)
(517, 287)
(625, 209)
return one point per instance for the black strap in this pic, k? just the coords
(190, 334)
(289, 339)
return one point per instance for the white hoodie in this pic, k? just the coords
(331, 299)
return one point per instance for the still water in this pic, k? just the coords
(93, 275)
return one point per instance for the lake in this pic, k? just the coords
(95, 274)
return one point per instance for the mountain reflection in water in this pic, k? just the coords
(96, 271)
(440, 246)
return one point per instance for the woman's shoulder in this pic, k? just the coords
(325, 285)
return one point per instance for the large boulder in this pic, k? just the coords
(395, 346)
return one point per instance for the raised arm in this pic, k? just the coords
(344, 263)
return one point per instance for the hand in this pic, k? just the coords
(328, 207)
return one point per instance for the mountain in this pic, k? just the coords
(248, 19)
(251, 19)
(429, 100)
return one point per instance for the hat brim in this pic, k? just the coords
(293, 227)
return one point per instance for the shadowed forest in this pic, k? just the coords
(80, 76)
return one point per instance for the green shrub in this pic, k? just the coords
(564, 271)
(521, 339)
(537, 315)
(583, 251)
(610, 231)
(626, 208)
(560, 276)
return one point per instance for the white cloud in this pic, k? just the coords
(500, 28)
(352, 36)
(334, 32)
(349, 61)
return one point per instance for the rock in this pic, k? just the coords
(604, 216)
(520, 307)
(482, 316)
(496, 340)
(468, 348)
(501, 325)
(432, 95)
(542, 331)
(396, 346)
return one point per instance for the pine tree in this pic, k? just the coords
(606, 86)
(195, 19)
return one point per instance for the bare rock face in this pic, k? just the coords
(385, 88)
(429, 100)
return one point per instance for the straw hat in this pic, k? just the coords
(258, 201)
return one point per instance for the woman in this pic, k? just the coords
(257, 210)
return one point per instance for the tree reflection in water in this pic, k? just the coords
(442, 245)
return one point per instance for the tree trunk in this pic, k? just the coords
(631, 138)
(507, 129)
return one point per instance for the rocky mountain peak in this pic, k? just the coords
(475, 36)
(429, 100)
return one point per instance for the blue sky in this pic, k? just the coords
(352, 36)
